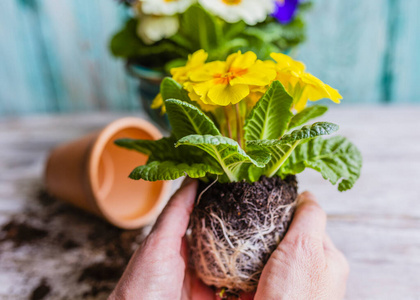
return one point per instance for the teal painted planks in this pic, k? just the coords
(24, 85)
(406, 53)
(346, 46)
(85, 75)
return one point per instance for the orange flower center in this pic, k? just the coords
(228, 76)
(232, 2)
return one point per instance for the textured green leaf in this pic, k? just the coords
(170, 89)
(167, 162)
(310, 131)
(336, 158)
(170, 170)
(271, 115)
(281, 149)
(186, 119)
(307, 114)
(156, 150)
(227, 152)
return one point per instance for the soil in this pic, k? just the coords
(236, 226)
(91, 253)
(41, 291)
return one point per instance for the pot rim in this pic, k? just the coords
(93, 167)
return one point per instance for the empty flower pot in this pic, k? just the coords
(92, 173)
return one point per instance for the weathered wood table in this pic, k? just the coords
(49, 250)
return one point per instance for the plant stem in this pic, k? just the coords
(274, 169)
(227, 121)
(238, 125)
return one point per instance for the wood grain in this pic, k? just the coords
(376, 224)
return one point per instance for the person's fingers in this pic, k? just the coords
(173, 221)
(309, 219)
(339, 261)
(328, 244)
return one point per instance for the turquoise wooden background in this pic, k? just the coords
(54, 56)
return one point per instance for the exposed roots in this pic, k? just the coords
(236, 227)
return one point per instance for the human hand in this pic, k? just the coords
(298, 269)
(159, 268)
(306, 264)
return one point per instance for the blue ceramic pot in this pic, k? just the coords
(149, 87)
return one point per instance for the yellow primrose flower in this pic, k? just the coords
(301, 85)
(196, 98)
(228, 82)
(195, 61)
(157, 103)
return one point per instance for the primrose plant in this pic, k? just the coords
(241, 126)
(211, 137)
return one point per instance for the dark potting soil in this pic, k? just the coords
(50, 226)
(230, 197)
(22, 233)
(41, 291)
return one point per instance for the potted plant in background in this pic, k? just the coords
(162, 34)
(239, 125)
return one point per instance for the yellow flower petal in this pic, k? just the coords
(195, 61)
(242, 61)
(208, 71)
(301, 85)
(157, 102)
(226, 94)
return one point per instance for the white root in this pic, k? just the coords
(232, 258)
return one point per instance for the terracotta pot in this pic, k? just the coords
(92, 173)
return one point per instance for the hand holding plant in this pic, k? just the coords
(239, 125)
(305, 265)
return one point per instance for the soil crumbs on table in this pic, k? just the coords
(63, 252)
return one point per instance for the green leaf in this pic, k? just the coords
(187, 119)
(310, 131)
(156, 150)
(281, 149)
(227, 152)
(271, 115)
(232, 30)
(170, 170)
(127, 44)
(201, 28)
(170, 89)
(167, 162)
(336, 158)
(307, 114)
(283, 36)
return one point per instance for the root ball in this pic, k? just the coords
(235, 227)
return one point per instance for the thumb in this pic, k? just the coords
(173, 221)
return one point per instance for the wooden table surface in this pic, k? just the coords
(376, 224)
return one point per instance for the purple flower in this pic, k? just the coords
(285, 10)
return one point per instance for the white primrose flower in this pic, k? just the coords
(165, 7)
(152, 29)
(232, 11)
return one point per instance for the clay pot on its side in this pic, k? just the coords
(92, 173)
